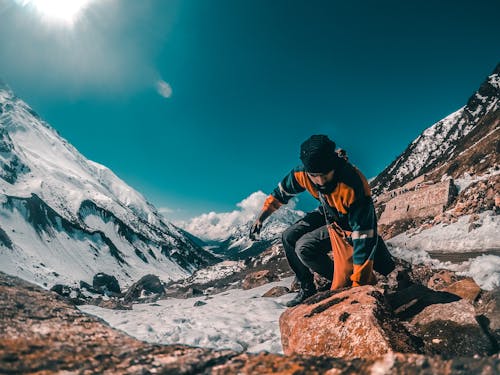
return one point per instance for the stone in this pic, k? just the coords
(474, 217)
(106, 284)
(62, 290)
(349, 324)
(199, 303)
(146, 286)
(489, 310)
(277, 291)
(473, 226)
(114, 304)
(88, 287)
(259, 278)
(451, 330)
(466, 289)
(442, 279)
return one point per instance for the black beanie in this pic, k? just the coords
(318, 154)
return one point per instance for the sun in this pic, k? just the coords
(65, 11)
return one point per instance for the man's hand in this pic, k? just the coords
(255, 230)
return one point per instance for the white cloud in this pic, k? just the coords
(219, 225)
(164, 89)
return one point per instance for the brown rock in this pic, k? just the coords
(277, 291)
(442, 279)
(259, 278)
(347, 324)
(114, 305)
(473, 218)
(466, 289)
(489, 310)
(473, 226)
(451, 330)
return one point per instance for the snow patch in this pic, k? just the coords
(240, 320)
(454, 237)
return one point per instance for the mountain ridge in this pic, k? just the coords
(91, 219)
(438, 144)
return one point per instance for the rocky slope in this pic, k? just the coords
(65, 218)
(41, 333)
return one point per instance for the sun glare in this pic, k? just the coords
(58, 10)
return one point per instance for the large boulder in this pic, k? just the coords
(148, 287)
(451, 330)
(466, 289)
(349, 324)
(106, 284)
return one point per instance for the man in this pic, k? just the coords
(346, 202)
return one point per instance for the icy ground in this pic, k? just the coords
(454, 237)
(237, 319)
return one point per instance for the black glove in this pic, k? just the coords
(255, 230)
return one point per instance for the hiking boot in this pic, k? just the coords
(301, 296)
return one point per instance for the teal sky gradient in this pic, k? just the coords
(250, 81)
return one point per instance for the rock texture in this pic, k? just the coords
(451, 330)
(258, 278)
(350, 324)
(421, 202)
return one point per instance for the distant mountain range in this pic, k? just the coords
(66, 218)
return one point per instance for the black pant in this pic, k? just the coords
(307, 245)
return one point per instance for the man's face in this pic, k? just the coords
(321, 180)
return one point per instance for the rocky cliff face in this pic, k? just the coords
(41, 333)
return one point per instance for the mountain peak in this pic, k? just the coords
(440, 142)
(73, 216)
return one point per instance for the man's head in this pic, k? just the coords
(320, 160)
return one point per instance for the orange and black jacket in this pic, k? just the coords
(349, 203)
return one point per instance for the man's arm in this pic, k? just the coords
(286, 190)
(363, 222)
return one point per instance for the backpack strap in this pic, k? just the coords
(328, 210)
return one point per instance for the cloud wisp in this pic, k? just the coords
(164, 89)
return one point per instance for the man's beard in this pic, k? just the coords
(327, 188)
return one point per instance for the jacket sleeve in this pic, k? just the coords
(286, 190)
(363, 222)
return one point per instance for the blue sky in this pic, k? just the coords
(244, 83)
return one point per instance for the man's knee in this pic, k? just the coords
(305, 248)
(286, 235)
(291, 235)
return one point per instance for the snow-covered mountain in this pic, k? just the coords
(64, 218)
(442, 143)
(227, 233)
